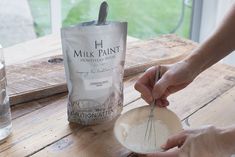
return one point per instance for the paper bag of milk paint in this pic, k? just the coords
(94, 57)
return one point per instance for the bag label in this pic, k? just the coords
(96, 84)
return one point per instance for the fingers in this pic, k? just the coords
(174, 153)
(176, 140)
(145, 84)
(149, 101)
(161, 86)
(163, 102)
(148, 88)
(160, 102)
(145, 92)
(172, 89)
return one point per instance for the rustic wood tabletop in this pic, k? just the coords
(40, 127)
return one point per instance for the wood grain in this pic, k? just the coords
(220, 112)
(205, 88)
(184, 106)
(40, 127)
(44, 130)
(44, 122)
(43, 47)
(39, 78)
(19, 110)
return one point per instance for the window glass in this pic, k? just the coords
(40, 10)
(21, 20)
(146, 18)
(28, 19)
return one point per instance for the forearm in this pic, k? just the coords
(220, 44)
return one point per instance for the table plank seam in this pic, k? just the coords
(39, 106)
(186, 118)
(130, 102)
(203, 106)
(36, 151)
(51, 143)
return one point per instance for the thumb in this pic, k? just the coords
(176, 140)
(173, 153)
(161, 86)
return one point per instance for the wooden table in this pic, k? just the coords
(40, 127)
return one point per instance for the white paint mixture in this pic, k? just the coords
(136, 141)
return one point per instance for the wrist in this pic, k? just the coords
(195, 62)
(190, 68)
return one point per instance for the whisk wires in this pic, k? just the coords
(150, 131)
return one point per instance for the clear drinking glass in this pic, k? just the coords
(5, 112)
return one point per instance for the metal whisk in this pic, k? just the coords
(150, 131)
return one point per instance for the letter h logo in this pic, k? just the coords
(98, 44)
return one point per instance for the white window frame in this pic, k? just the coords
(196, 20)
(206, 16)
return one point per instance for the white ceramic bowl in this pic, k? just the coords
(170, 124)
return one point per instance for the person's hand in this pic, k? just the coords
(173, 78)
(207, 141)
